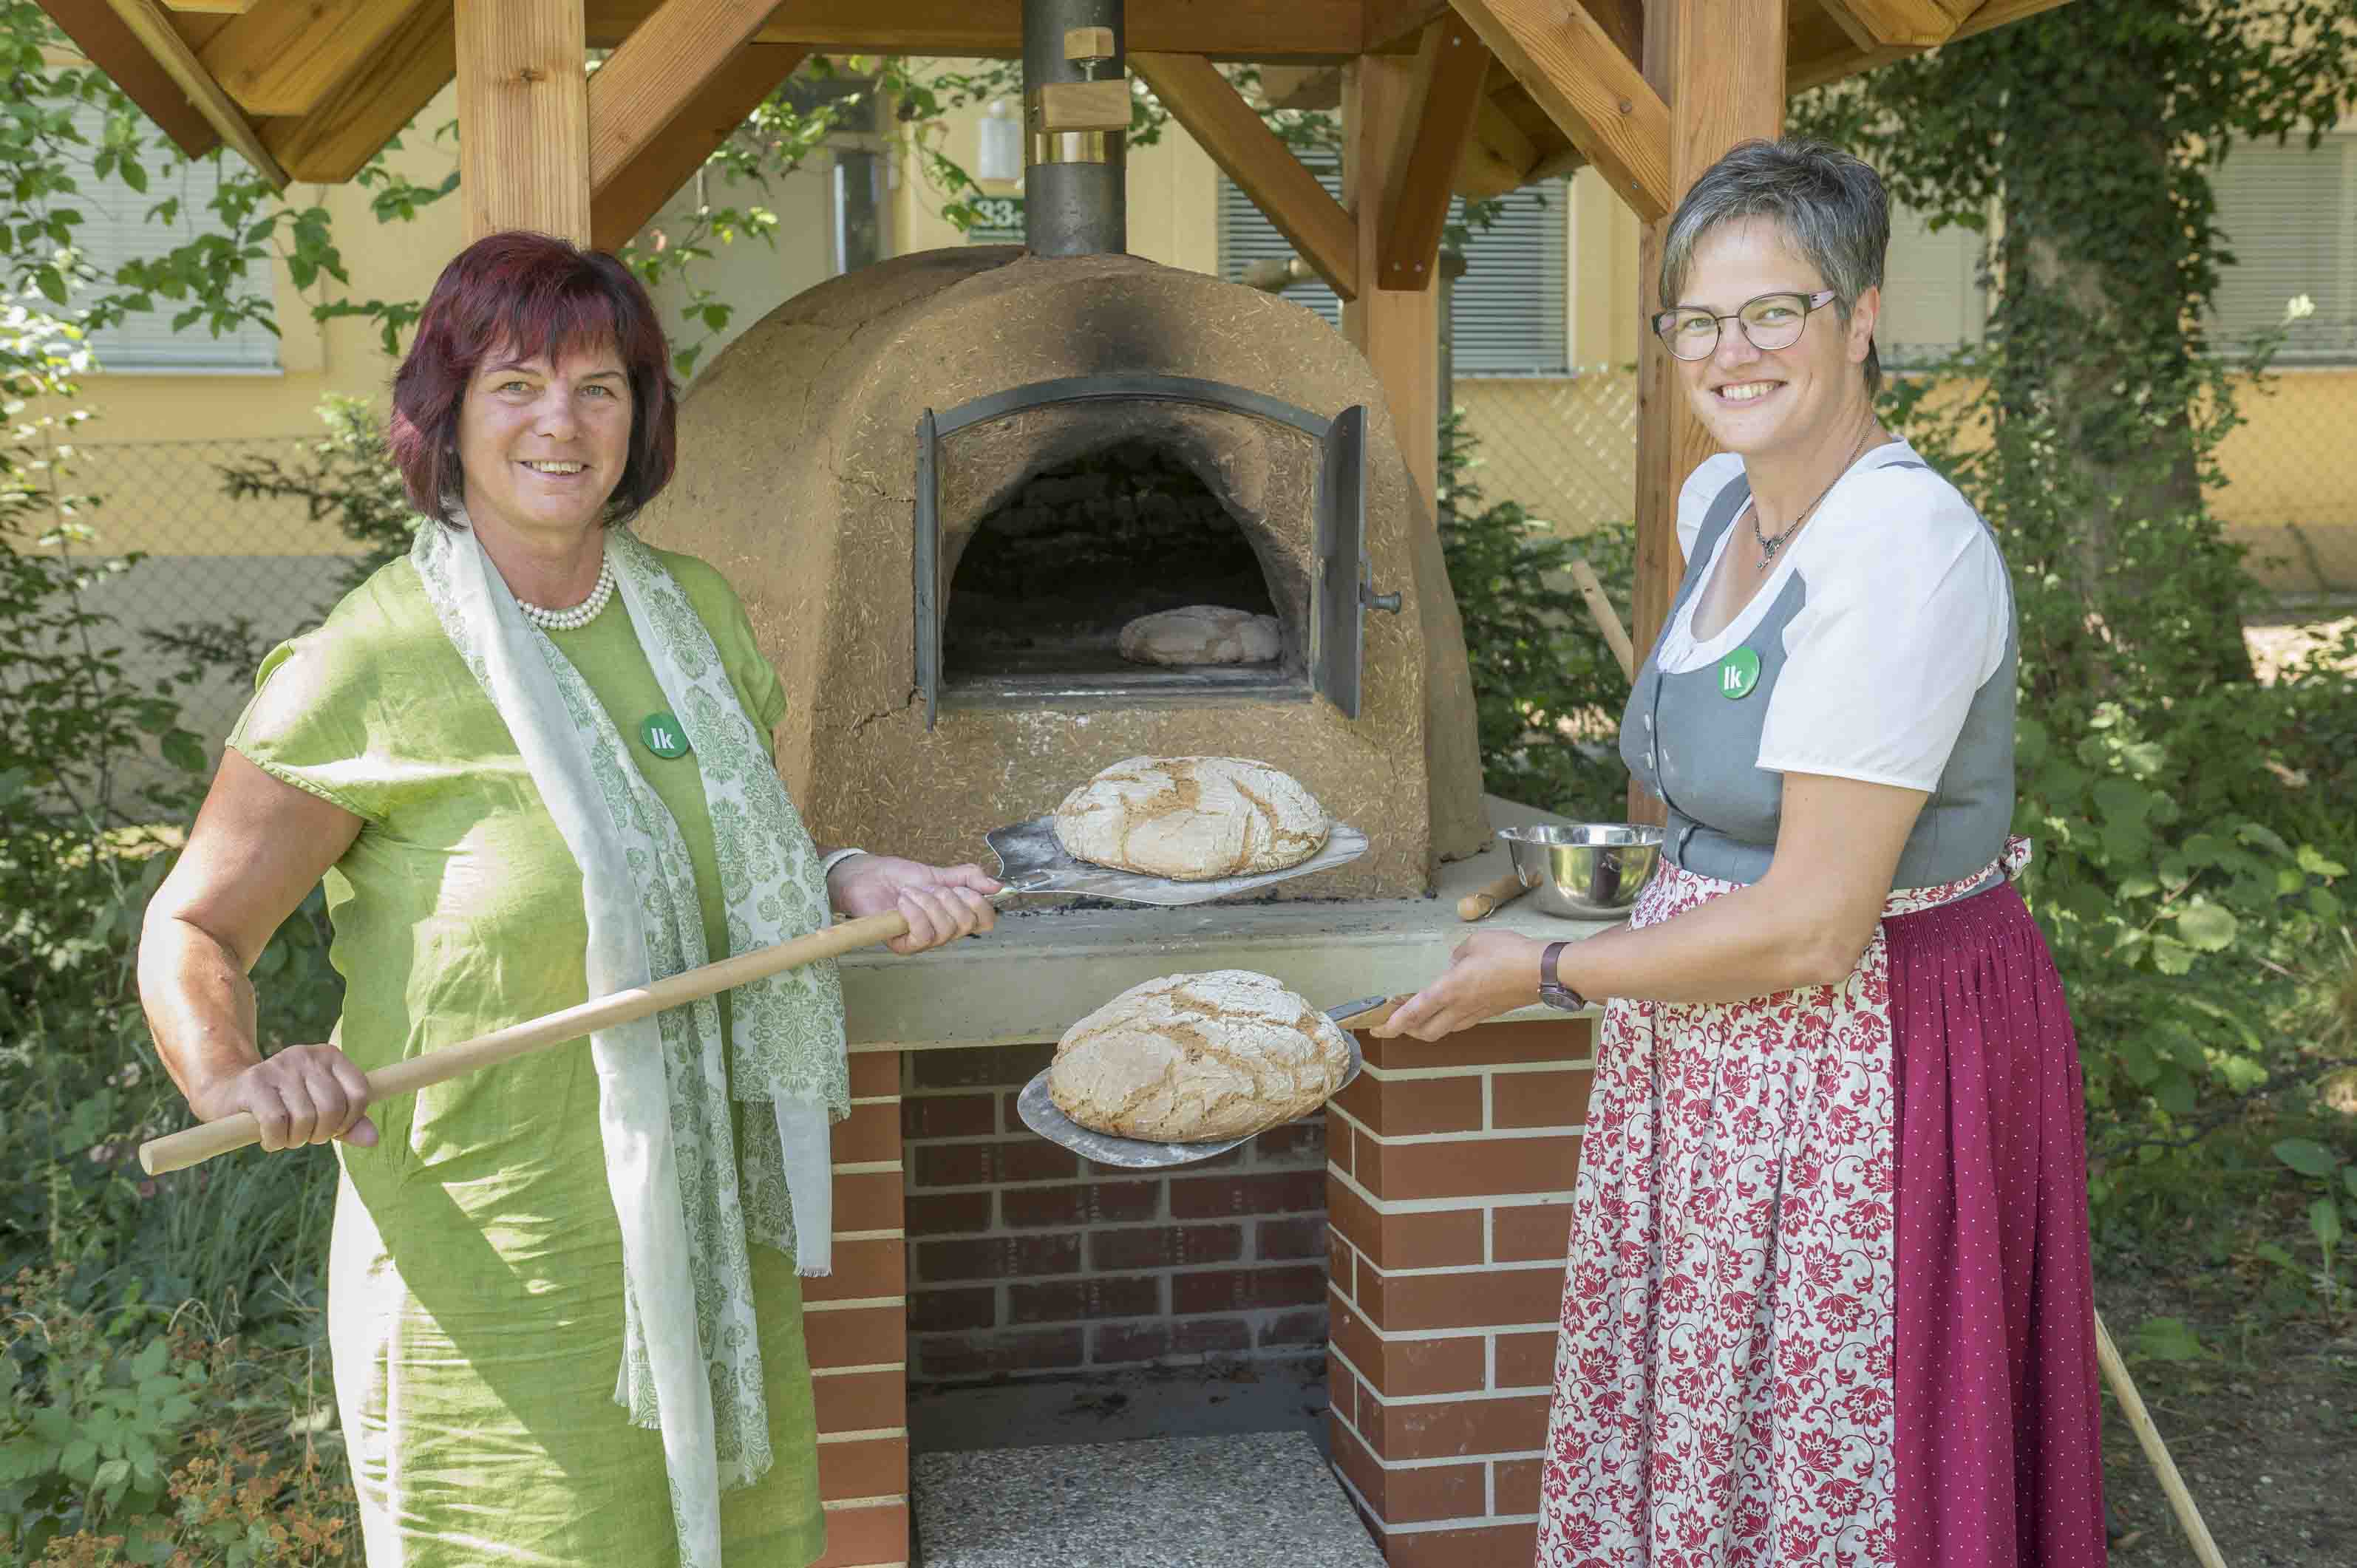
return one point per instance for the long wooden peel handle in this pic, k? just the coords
(1482, 905)
(193, 1145)
(2180, 1500)
(1583, 577)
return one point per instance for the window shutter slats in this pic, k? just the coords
(2287, 217)
(115, 229)
(1507, 316)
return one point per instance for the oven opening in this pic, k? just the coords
(1051, 517)
(1047, 580)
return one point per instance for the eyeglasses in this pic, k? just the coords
(1771, 321)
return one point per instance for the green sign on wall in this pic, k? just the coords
(999, 221)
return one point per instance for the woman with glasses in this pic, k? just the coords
(1829, 1298)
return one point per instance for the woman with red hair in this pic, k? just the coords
(531, 761)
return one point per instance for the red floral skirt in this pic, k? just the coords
(1828, 1299)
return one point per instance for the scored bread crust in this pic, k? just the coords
(1201, 634)
(1198, 1058)
(1192, 818)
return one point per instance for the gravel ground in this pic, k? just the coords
(2267, 1437)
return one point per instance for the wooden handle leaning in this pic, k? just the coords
(1583, 577)
(1489, 899)
(2180, 1500)
(193, 1145)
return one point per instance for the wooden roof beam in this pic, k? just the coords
(1320, 30)
(623, 198)
(1892, 24)
(524, 118)
(1997, 13)
(1501, 157)
(371, 105)
(1257, 159)
(1398, 24)
(107, 43)
(661, 68)
(211, 8)
(285, 55)
(1452, 69)
(1571, 65)
(153, 28)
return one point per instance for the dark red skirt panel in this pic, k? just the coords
(1998, 1418)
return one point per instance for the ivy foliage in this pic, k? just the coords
(2191, 823)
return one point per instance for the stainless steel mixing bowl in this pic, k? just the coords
(1587, 871)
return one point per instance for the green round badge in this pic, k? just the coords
(1737, 673)
(664, 736)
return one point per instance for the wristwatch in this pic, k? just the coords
(1553, 991)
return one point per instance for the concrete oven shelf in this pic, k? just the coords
(1041, 970)
(1391, 1268)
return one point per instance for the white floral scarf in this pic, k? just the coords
(686, 1199)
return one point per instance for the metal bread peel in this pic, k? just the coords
(1031, 861)
(1039, 1113)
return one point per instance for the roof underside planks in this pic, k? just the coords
(319, 98)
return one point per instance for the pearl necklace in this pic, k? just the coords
(580, 614)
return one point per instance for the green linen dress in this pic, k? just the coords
(475, 1279)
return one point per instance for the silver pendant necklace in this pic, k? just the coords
(1769, 547)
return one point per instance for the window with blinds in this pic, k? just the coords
(115, 229)
(1506, 314)
(2289, 220)
(1933, 298)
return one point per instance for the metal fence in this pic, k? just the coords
(200, 556)
(1566, 448)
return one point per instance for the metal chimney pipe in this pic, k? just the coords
(1073, 198)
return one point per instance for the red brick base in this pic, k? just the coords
(1450, 1175)
(1026, 1260)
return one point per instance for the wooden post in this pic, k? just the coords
(524, 117)
(1719, 65)
(1398, 329)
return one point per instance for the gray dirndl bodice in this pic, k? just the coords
(1689, 738)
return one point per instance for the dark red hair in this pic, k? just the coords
(529, 295)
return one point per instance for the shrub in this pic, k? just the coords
(1548, 690)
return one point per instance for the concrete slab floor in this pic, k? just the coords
(1261, 1499)
(1216, 1399)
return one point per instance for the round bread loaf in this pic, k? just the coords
(1201, 634)
(1191, 817)
(1196, 1058)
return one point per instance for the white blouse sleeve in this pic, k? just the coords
(1710, 476)
(1906, 618)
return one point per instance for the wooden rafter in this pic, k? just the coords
(1997, 13)
(107, 43)
(658, 70)
(1252, 154)
(153, 28)
(211, 7)
(1452, 70)
(369, 106)
(1892, 24)
(627, 195)
(285, 55)
(1328, 30)
(1501, 157)
(1394, 23)
(1567, 62)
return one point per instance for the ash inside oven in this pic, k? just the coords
(1048, 579)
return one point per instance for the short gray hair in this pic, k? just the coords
(1832, 206)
